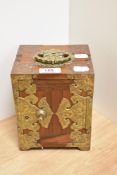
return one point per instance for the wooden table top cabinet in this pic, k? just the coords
(53, 92)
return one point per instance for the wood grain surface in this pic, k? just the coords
(100, 160)
(24, 63)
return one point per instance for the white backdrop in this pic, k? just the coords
(52, 22)
(27, 22)
(95, 22)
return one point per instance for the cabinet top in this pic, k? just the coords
(53, 60)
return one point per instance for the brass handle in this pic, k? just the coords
(53, 57)
(41, 114)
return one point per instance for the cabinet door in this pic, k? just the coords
(53, 92)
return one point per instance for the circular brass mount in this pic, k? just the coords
(53, 57)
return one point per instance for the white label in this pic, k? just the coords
(80, 55)
(49, 70)
(81, 68)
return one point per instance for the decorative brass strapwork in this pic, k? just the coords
(28, 109)
(33, 113)
(76, 112)
(53, 57)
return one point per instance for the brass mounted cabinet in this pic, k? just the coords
(53, 92)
